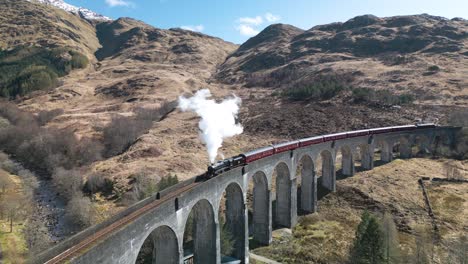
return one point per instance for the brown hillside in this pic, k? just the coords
(421, 54)
(30, 23)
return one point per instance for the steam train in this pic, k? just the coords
(248, 157)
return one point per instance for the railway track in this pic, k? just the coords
(104, 232)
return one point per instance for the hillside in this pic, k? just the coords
(30, 23)
(420, 54)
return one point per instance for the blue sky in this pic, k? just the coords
(236, 21)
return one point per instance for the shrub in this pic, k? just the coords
(167, 182)
(380, 97)
(41, 148)
(44, 117)
(433, 68)
(320, 90)
(145, 185)
(98, 183)
(78, 61)
(122, 131)
(68, 182)
(79, 211)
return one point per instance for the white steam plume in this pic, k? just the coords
(217, 119)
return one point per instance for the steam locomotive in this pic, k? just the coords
(245, 158)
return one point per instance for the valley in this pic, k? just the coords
(105, 129)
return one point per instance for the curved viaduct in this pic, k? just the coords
(163, 218)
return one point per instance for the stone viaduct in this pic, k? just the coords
(272, 184)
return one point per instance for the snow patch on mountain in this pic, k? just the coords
(82, 12)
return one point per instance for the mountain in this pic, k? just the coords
(419, 54)
(26, 23)
(82, 12)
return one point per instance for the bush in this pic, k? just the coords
(44, 117)
(122, 131)
(167, 182)
(433, 68)
(145, 185)
(79, 211)
(313, 91)
(68, 183)
(27, 69)
(44, 149)
(98, 183)
(380, 97)
(322, 89)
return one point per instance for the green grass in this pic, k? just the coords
(27, 69)
(3, 122)
(13, 245)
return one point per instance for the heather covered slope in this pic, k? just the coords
(30, 23)
(420, 54)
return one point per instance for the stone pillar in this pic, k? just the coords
(307, 188)
(283, 200)
(367, 158)
(386, 153)
(262, 215)
(216, 256)
(347, 164)
(328, 173)
(314, 194)
(235, 219)
(246, 235)
(293, 207)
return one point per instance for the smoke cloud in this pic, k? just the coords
(218, 120)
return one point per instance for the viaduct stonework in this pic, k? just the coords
(163, 217)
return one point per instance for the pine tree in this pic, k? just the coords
(368, 244)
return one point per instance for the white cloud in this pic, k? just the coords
(248, 26)
(198, 28)
(247, 30)
(113, 3)
(251, 20)
(271, 18)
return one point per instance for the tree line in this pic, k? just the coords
(26, 69)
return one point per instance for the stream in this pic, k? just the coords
(51, 210)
